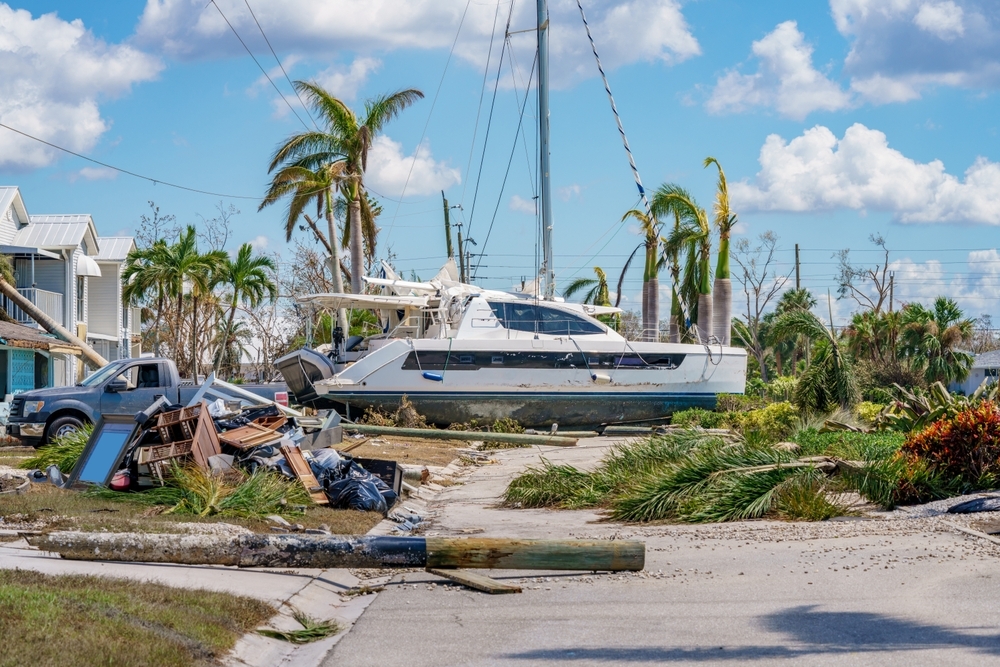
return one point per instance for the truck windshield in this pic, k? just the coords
(103, 374)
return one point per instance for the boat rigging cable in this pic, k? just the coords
(489, 123)
(479, 109)
(430, 113)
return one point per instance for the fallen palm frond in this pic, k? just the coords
(311, 631)
(64, 451)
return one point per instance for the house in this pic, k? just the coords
(65, 269)
(985, 368)
(26, 356)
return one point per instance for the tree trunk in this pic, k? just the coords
(704, 318)
(722, 303)
(654, 309)
(676, 315)
(194, 337)
(50, 325)
(177, 335)
(338, 279)
(645, 311)
(357, 245)
(675, 330)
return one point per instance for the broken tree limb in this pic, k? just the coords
(366, 551)
(476, 581)
(50, 325)
(435, 434)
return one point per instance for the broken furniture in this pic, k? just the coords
(186, 432)
(293, 456)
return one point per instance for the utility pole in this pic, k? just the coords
(892, 285)
(447, 228)
(798, 282)
(461, 256)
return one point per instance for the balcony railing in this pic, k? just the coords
(50, 303)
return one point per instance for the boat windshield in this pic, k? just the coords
(533, 318)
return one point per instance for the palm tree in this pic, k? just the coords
(143, 276)
(231, 341)
(344, 140)
(722, 293)
(302, 186)
(694, 234)
(830, 379)
(650, 273)
(931, 340)
(371, 209)
(597, 288)
(792, 300)
(247, 277)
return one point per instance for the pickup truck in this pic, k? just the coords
(123, 387)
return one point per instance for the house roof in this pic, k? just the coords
(18, 335)
(115, 248)
(987, 360)
(10, 195)
(58, 231)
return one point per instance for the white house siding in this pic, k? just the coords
(104, 307)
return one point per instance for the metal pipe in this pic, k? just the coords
(435, 434)
(545, 191)
(365, 551)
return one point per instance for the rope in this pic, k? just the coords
(614, 110)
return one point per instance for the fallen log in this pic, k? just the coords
(366, 551)
(435, 434)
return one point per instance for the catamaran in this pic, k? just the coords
(460, 353)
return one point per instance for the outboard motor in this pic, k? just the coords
(301, 369)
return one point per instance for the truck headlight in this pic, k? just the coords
(31, 407)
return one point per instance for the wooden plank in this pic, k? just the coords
(478, 582)
(517, 554)
(251, 435)
(293, 455)
(205, 438)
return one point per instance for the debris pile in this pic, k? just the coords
(233, 436)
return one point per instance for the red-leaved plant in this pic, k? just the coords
(966, 445)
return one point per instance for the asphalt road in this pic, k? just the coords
(888, 591)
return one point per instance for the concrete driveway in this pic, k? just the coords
(887, 591)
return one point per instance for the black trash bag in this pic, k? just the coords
(356, 494)
(335, 474)
(248, 416)
(986, 504)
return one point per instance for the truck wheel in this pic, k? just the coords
(62, 426)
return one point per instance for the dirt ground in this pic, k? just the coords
(407, 451)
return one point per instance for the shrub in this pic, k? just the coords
(866, 411)
(966, 446)
(699, 417)
(738, 403)
(775, 422)
(805, 499)
(782, 388)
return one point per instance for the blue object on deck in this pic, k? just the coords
(437, 377)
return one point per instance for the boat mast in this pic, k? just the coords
(545, 193)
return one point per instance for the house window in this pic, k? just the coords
(990, 372)
(80, 310)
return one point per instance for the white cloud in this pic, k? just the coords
(259, 243)
(943, 19)
(568, 192)
(626, 31)
(53, 74)
(817, 171)
(522, 205)
(344, 82)
(388, 170)
(976, 291)
(785, 80)
(93, 174)
(900, 48)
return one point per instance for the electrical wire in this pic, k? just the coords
(278, 60)
(261, 67)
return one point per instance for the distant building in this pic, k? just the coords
(985, 367)
(74, 276)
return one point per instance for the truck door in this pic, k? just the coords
(144, 384)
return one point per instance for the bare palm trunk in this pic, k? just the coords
(654, 308)
(178, 336)
(53, 327)
(722, 302)
(645, 311)
(357, 245)
(704, 317)
(338, 278)
(194, 338)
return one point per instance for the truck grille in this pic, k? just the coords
(17, 407)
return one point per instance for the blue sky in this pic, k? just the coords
(834, 120)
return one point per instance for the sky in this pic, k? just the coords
(833, 121)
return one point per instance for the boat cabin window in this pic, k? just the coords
(530, 317)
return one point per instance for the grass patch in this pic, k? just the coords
(78, 621)
(47, 507)
(849, 445)
(312, 630)
(808, 500)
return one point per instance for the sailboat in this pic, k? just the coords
(460, 353)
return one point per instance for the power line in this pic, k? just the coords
(261, 67)
(154, 181)
(278, 60)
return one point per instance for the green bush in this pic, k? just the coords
(849, 445)
(775, 422)
(867, 411)
(782, 388)
(738, 403)
(699, 417)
